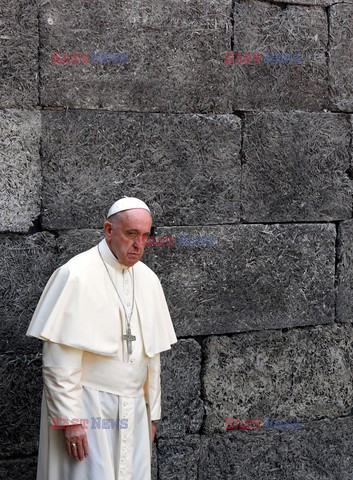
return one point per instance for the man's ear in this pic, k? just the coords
(107, 226)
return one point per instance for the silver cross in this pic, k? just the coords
(129, 339)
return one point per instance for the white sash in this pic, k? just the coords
(110, 375)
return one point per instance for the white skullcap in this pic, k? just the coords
(126, 203)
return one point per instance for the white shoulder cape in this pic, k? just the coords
(80, 309)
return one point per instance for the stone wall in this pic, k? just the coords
(256, 156)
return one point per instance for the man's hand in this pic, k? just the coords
(154, 428)
(76, 441)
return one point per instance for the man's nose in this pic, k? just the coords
(139, 241)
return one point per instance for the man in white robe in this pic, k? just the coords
(104, 321)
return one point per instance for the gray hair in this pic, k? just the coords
(115, 218)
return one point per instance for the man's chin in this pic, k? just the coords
(131, 260)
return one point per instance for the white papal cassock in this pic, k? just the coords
(87, 371)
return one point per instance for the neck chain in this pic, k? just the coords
(129, 337)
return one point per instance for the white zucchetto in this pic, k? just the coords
(126, 203)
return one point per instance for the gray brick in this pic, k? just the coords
(182, 408)
(25, 266)
(174, 60)
(19, 53)
(319, 451)
(73, 242)
(187, 168)
(344, 306)
(255, 277)
(154, 463)
(305, 374)
(296, 167)
(21, 386)
(340, 59)
(241, 455)
(20, 170)
(179, 458)
(19, 469)
(320, 3)
(262, 27)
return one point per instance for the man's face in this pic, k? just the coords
(128, 234)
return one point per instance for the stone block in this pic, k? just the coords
(174, 56)
(304, 374)
(296, 167)
(179, 458)
(186, 168)
(21, 386)
(264, 27)
(321, 450)
(73, 242)
(154, 463)
(19, 469)
(240, 455)
(201, 14)
(320, 3)
(26, 263)
(254, 277)
(182, 407)
(20, 169)
(340, 56)
(344, 307)
(19, 54)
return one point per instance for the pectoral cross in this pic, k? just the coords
(129, 339)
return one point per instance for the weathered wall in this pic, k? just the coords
(257, 155)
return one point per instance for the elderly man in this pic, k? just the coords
(104, 321)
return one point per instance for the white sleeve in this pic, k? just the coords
(153, 387)
(62, 370)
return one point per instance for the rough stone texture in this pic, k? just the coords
(21, 387)
(179, 458)
(341, 59)
(344, 308)
(296, 167)
(19, 469)
(302, 373)
(18, 53)
(240, 455)
(180, 165)
(261, 27)
(154, 463)
(254, 277)
(26, 262)
(20, 170)
(182, 408)
(205, 144)
(321, 3)
(174, 62)
(73, 242)
(320, 451)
